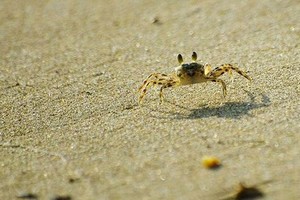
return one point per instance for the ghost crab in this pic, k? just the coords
(189, 73)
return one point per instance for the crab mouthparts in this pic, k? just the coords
(191, 72)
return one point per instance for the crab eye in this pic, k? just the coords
(179, 58)
(194, 56)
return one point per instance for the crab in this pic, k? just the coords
(186, 74)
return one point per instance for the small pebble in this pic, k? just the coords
(211, 162)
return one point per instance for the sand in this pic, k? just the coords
(70, 124)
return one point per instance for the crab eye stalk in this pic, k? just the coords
(179, 58)
(194, 56)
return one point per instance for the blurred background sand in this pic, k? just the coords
(69, 119)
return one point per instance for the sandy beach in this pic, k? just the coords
(71, 126)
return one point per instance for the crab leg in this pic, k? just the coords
(156, 79)
(227, 68)
(170, 84)
(223, 85)
(154, 75)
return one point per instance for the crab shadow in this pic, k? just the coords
(232, 110)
